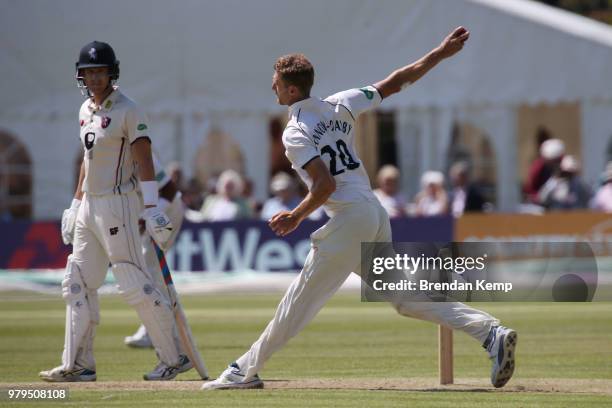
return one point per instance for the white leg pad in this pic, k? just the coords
(85, 356)
(152, 265)
(152, 306)
(154, 270)
(79, 322)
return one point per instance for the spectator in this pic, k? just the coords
(465, 196)
(286, 198)
(193, 195)
(551, 153)
(247, 194)
(565, 189)
(388, 191)
(227, 204)
(176, 174)
(432, 199)
(537, 165)
(603, 198)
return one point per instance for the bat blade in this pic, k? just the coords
(186, 337)
(182, 326)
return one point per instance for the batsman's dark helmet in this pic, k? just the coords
(98, 54)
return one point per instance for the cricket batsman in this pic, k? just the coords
(106, 207)
(319, 142)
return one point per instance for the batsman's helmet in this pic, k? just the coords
(97, 54)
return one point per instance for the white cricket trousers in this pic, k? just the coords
(335, 253)
(107, 232)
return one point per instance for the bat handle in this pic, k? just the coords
(163, 264)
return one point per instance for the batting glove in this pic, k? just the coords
(158, 224)
(69, 221)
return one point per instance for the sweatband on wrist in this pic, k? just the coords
(150, 194)
(76, 203)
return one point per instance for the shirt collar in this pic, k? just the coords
(294, 109)
(108, 103)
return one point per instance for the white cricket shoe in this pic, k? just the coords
(162, 372)
(231, 379)
(77, 374)
(140, 339)
(501, 345)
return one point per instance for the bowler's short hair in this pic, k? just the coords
(296, 70)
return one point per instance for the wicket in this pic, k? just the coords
(445, 355)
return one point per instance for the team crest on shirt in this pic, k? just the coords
(81, 122)
(108, 104)
(369, 94)
(105, 122)
(92, 54)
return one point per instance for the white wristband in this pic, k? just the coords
(150, 194)
(76, 203)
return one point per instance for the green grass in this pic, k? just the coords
(319, 398)
(347, 340)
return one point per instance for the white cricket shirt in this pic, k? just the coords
(107, 134)
(325, 128)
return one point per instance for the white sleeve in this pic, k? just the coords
(136, 125)
(357, 100)
(299, 148)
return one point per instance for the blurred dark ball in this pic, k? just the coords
(570, 288)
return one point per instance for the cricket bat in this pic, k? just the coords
(182, 326)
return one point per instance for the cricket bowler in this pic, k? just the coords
(319, 142)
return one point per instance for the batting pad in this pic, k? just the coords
(81, 318)
(152, 307)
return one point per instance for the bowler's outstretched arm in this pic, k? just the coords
(409, 74)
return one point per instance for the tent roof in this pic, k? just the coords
(199, 56)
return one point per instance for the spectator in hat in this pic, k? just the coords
(551, 153)
(565, 189)
(388, 192)
(603, 198)
(432, 199)
(285, 196)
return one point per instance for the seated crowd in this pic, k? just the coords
(554, 183)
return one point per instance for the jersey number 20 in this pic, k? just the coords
(345, 157)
